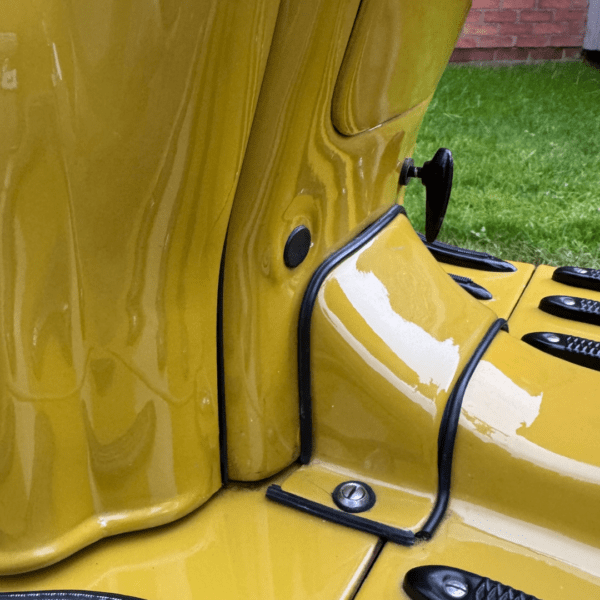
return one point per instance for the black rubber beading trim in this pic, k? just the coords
(392, 534)
(64, 595)
(221, 376)
(304, 322)
(447, 433)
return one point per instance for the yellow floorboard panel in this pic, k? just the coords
(506, 288)
(239, 545)
(527, 317)
(532, 559)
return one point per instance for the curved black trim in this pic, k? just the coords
(304, 321)
(221, 375)
(64, 595)
(448, 429)
(393, 534)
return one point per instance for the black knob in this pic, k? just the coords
(436, 176)
(296, 247)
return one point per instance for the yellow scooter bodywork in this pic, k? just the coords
(120, 151)
(134, 138)
(301, 170)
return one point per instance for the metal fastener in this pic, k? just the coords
(552, 337)
(455, 588)
(568, 301)
(580, 270)
(353, 492)
(354, 496)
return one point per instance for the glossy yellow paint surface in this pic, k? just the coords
(506, 288)
(527, 444)
(391, 333)
(238, 546)
(124, 127)
(395, 506)
(120, 147)
(299, 170)
(532, 559)
(528, 317)
(396, 56)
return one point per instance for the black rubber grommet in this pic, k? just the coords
(297, 246)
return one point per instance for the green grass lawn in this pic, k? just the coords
(526, 146)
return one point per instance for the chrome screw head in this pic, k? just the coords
(455, 588)
(552, 337)
(353, 491)
(354, 496)
(568, 301)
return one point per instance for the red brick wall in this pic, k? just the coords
(521, 30)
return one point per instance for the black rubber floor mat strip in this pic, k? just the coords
(438, 582)
(476, 290)
(64, 595)
(580, 277)
(448, 429)
(463, 257)
(403, 537)
(572, 308)
(305, 318)
(577, 350)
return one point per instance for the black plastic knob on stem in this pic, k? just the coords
(436, 175)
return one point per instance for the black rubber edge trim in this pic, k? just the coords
(448, 429)
(65, 595)
(398, 536)
(463, 257)
(221, 376)
(304, 322)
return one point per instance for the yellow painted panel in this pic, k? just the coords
(530, 559)
(527, 445)
(398, 507)
(299, 171)
(391, 333)
(506, 288)
(528, 317)
(121, 142)
(395, 58)
(238, 546)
